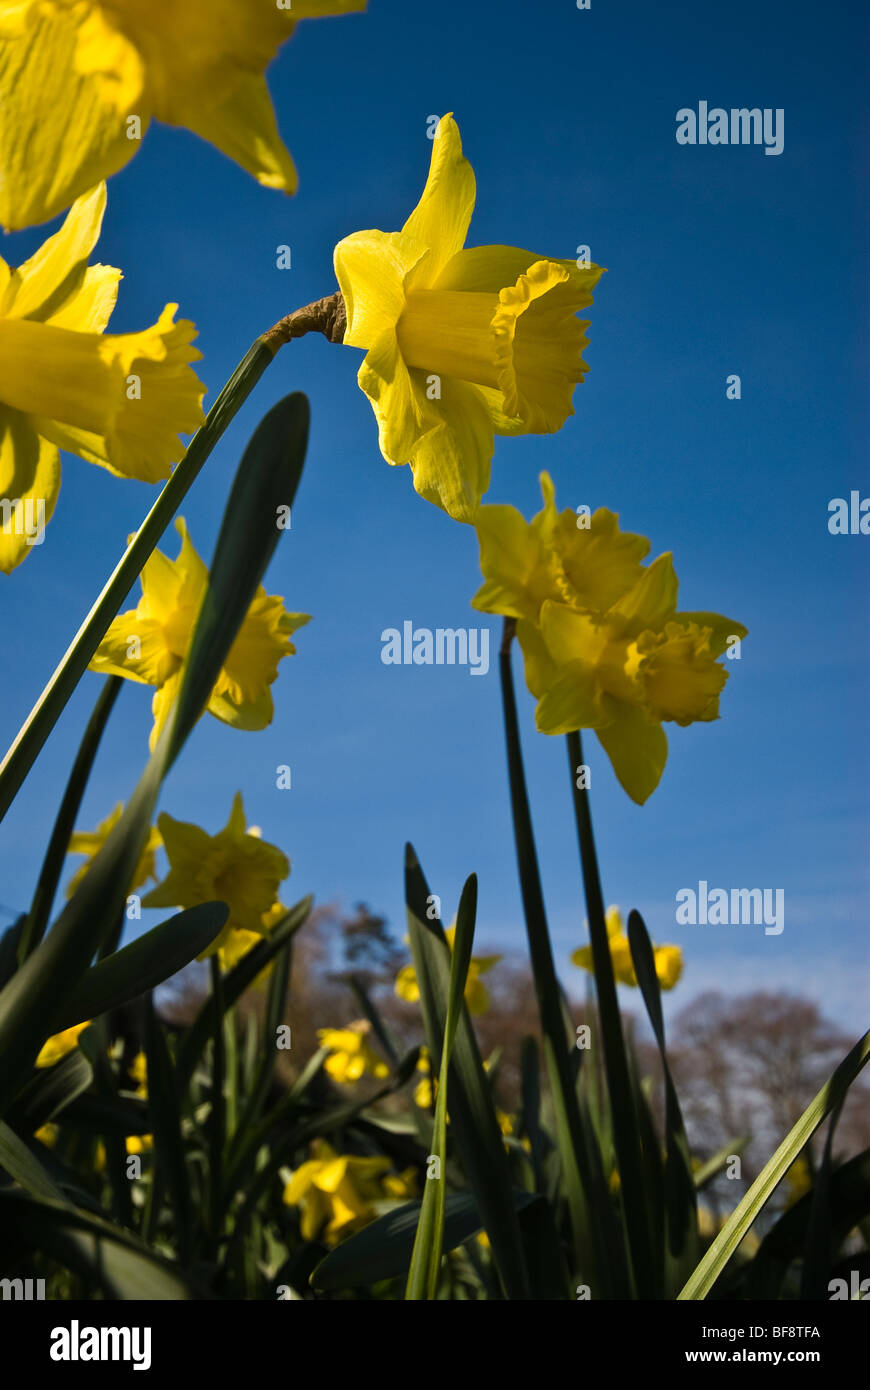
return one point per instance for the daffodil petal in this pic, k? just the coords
(721, 629)
(39, 283)
(371, 269)
(244, 128)
(451, 461)
(572, 701)
(29, 487)
(387, 382)
(135, 647)
(515, 563)
(650, 602)
(637, 747)
(440, 219)
(62, 131)
(491, 268)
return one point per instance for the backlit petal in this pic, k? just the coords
(637, 747)
(29, 487)
(440, 219)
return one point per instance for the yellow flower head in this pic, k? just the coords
(90, 842)
(335, 1191)
(149, 643)
(139, 1143)
(47, 1134)
(476, 993)
(80, 80)
(461, 344)
(60, 1044)
(138, 1072)
(668, 959)
(403, 1186)
(604, 645)
(236, 866)
(119, 400)
(351, 1055)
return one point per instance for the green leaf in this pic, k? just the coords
(52, 1089)
(64, 825)
(713, 1166)
(738, 1223)
(235, 982)
(111, 1258)
(145, 963)
(382, 1250)
(426, 1257)
(266, 479)
(472, 1113)
(681, 1207)
(166, 1122)
(23, 1165)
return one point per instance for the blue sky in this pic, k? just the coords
(720, 260)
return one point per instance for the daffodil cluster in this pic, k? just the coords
(476, 993)
(605, 647)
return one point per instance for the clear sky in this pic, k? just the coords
(720, 260)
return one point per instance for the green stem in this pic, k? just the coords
(55, 855)
(51, 703)
(589, 1200)
(626, 1132)
(217, 1118)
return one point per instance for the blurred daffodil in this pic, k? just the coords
(236, 866)
(351, 1054)
(668, 959)
(605, 647)
(461, 344)
(335, 1191)
(81, 79)
(119, 400)
(139, 1143)
(59, 1044)
(476, 993)
(47, 1134)
(402, 1186)
(149, 643)
(427, 1086)
(90, 842)
(138, 1073)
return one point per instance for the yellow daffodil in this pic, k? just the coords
(476, 994)
(403, 1186)
(90, 842)
(335, 1191)
(427, 1088)
(119, 400)
(462, 344)
(81, 79)
(47, 1134)
(149, 643)
(138, 1073)
(139, 1143)
(604, 645)
(60, 1044)
(236, 866)
(351, 1055)
(668, 959)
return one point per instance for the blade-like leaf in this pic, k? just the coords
(472, 1113)
(382, 1250)
(144, 964)
(426, 1257)
(740, 1220)
(681, 1207)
